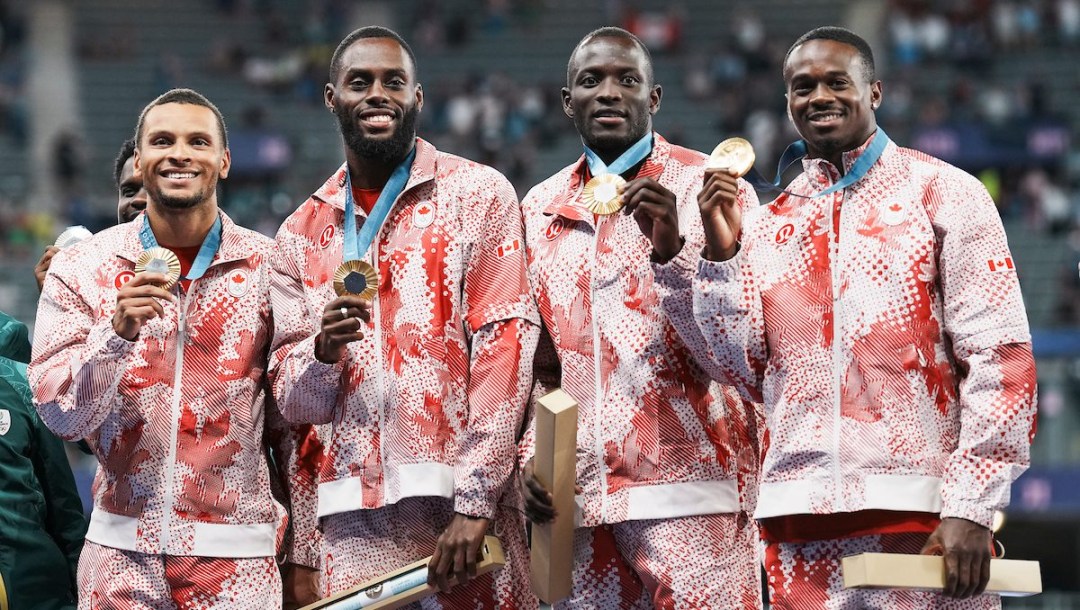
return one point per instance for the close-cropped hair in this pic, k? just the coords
(371, 31)
(127, 150)
(182, 96)
(841, 35)
(612, 32)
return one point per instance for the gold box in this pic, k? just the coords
(367, 595)
(1008, 577)
(555, 466)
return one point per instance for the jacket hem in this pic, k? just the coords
(233, 540)
(413, 480)
(880, 491)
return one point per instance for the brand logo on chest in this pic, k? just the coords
(554, 229)
(5, 421)
(122, 278)
(326, 237)
(785, 233)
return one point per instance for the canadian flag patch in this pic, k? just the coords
(423, 214)
(893, 214)
(237, 283)
(1001, 264)
(508, 248)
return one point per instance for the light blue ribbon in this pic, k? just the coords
(209, 247)
(797, 150)
(356, 246)
(631, 157)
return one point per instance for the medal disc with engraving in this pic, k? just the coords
(602, 195)
(160, 260)
(356, 278)
(72, 236)
(734, 154)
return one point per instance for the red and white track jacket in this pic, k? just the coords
(176, 417)
(883, 328)
(656, 438)
(430, 402)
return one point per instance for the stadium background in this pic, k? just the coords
(989, 85)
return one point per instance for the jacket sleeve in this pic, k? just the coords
(78, 360)
(985, 319)
(306, 390)
(675, 278)
(547, 377)
(728, 313)
(503, 328)
(298, 453)
(65, 521)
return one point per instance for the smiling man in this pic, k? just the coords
(666, 458)
(403, 321)
(163, 374)
(877, 313)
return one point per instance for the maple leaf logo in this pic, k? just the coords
(207, 452)
(239, 367)
(124, 457)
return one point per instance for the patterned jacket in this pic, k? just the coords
(883, 328)
(176, 417)
(656, 437)
(429, 403)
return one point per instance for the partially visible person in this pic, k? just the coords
(41, 520)
(667, 458)
(131, 201)
(877, 313)
(130, 192)
(164, 375)
(422, 384)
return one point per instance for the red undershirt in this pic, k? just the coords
(187, 258)
(366, 198)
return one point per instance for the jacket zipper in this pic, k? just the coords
(598, 401)
(376, 310)
(837, 351)
(174, 432)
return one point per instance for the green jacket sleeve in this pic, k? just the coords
(64, 519)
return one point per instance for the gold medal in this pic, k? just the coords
(602, 194)
(734, 154)
(160, 260)
(356, 278)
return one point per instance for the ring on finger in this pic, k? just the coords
(344, 313)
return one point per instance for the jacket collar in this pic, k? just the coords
(817, 165)
(234, 245)
(332, 192)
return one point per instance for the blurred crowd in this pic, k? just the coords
(942, 93)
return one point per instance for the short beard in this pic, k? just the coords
(181, 203)
(393, 149)
(609, 145)
(177, 203)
